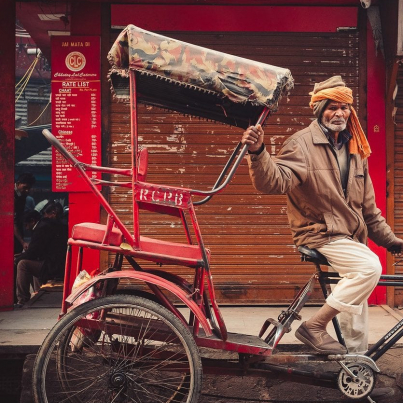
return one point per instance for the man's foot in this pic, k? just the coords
(319, 340)
(18, 306)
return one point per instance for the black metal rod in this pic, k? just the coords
(388, 345)
(383, 339)
(222, 175)
(227, 180)
(265, 113)
(392, 277)
(380, 283)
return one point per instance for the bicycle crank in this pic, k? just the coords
(356, 380)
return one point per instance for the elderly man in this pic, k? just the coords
(323, 170)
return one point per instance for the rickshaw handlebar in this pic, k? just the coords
(235, 160)
(60, 147)
(218, 186)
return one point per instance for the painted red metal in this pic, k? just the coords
(110, 238)
(162, 195)
(7, 135)
(85, 20)
(98, 233)
(377, 139)
(154, 250)
(148, 278)
(134, 154)
(221, 18)
(247, 345)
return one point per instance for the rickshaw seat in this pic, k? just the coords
(174, 252)
(190, 253)
(92, 232)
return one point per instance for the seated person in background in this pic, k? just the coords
(54, 210)
(22, 187)
(45, 255)
(29, 203)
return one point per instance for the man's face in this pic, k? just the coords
(335, 116)
(23, 188)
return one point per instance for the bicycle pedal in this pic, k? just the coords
(266, 324)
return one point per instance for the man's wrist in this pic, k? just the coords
(258, 151)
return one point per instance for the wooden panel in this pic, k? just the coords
(253, 257)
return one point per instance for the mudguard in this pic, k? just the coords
(148, 278)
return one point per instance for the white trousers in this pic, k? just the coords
(360, 270)
(354, 328)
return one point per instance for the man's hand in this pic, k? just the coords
(397, 247)
(253, 136)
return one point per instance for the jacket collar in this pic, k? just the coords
(317, 134)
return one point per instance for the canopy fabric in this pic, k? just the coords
(230, 79)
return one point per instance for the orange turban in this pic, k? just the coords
(358, 143)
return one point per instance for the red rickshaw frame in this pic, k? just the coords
(205, 320)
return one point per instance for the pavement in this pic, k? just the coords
(22, 332)
(24, 329)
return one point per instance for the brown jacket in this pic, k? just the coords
(306, 169)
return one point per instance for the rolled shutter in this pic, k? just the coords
(253, 258)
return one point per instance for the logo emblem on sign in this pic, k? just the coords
(75, 61)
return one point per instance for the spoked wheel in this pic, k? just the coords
(118, 349)
(359, 386)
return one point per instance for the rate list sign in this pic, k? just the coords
(76, 106)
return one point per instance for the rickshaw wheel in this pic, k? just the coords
(359, 387)
(119, 348)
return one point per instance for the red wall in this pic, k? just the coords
(84, 206)
(7, 138)
(235, 18)
(377, 138)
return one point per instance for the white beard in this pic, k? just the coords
(339, 127)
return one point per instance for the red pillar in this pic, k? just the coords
(84, 207)
(7, 138)
(376, 133)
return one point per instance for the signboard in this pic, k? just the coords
(76, 107)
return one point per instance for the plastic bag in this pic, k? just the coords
(83, 337)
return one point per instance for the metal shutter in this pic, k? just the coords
(253, 256)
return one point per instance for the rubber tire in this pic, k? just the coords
(63, 330)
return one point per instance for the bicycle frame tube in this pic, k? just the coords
(134, 140)
(383, 345)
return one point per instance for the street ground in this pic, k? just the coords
(22, 331)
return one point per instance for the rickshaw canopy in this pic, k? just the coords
(194, 80)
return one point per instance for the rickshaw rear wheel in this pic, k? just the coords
(119, 348)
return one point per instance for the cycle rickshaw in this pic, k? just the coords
(142, 347)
